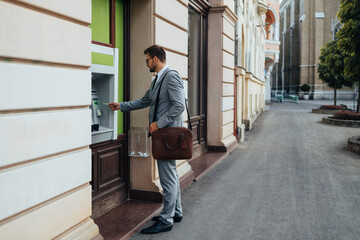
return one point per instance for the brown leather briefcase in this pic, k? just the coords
(172, 143)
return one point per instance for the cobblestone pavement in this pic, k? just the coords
(291, 179)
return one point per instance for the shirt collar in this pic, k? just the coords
(161, 71)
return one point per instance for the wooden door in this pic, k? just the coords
(197, 82)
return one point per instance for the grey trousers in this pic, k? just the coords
(169, 181)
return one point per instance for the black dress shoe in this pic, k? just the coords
(176, 219)
(157, 227)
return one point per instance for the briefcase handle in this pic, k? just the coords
(181, 139)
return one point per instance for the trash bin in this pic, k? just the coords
(139, 142)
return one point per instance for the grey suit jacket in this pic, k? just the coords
(171, 101)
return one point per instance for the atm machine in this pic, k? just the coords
(104, 89)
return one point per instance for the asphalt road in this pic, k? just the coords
(291, 179)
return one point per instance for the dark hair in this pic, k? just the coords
(157, 51)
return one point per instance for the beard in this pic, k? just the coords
(152, 69)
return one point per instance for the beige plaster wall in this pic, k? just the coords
(240, 79)
(141, 36)
(272, 47)
(163, 23)
(250, 79)
(37, 55)
(228, 86)
(221, 75)
(214, 77)
(254, 99)
(80, 10)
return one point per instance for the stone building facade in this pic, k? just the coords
(305, 27)
(250, 62)
(272, 46)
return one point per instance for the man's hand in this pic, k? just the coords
(153, 127)
(114, 106)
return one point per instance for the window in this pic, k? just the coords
(292, 13)
(197, 63)
(197, 68)
(103, 22)
(194, 61)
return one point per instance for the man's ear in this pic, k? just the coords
(155, 59)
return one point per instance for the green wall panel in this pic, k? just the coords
(103, 59)
(100, 10)
(119, 43)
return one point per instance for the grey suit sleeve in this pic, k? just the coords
(136, 104)
(177, 101)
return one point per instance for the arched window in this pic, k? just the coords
(270, 25)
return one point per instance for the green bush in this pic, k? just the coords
(305, 88)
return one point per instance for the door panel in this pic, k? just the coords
(109, 175)
(111, 172)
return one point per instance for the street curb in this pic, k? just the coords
(354, 144)
(341, 123)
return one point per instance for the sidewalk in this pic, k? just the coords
(291, 179)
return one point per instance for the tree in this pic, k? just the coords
(331, 67)
(349, 39)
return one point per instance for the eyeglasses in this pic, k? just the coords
(147, 60)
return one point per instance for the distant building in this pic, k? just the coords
(306, 26)
(272, 45)
(250, 59)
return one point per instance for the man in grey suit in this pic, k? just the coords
(170, 105)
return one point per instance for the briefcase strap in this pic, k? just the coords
(187, 110)
(157, 99)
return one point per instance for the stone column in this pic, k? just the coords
(221, 72)
(155, 22)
